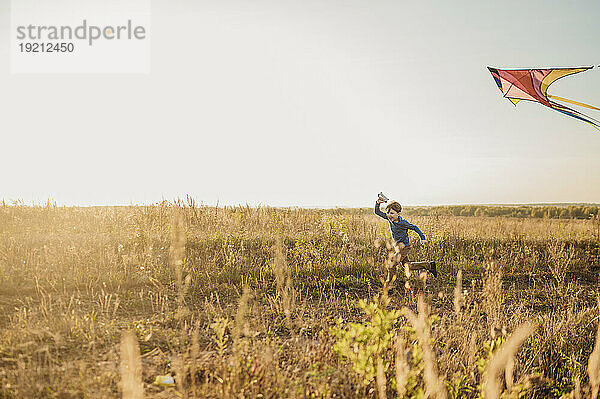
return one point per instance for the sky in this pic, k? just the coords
(313, 103)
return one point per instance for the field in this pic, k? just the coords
(263, 302)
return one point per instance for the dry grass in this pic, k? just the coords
(239, 302)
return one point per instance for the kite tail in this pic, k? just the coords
(572, 102)
(577, 115)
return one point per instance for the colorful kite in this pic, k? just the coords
(532, 85)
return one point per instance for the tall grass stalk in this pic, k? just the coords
(433, 384)
(402, 367)
(594, 364)
(131, 367)
(283, 280)
(502, 359)
(458, 294)
(380, 378)
(177, 257)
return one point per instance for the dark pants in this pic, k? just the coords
(402, 259)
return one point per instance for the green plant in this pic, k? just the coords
(364, 343)
(460, 387)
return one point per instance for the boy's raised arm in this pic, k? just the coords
(378, 211)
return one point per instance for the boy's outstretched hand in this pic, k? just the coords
(380, 200)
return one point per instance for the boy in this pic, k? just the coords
(399, 228)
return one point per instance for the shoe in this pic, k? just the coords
(433, 269)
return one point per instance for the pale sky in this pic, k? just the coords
(313, 103)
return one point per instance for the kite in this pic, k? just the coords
(532, 85)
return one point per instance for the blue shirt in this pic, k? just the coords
(400, 228)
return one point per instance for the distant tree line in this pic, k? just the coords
(549, 212)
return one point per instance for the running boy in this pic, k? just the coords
(399, 228)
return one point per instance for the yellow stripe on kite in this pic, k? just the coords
(573, 102)
(557, 74)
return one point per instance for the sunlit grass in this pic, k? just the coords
(240, 301)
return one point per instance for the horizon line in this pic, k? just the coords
(53, 203)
